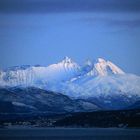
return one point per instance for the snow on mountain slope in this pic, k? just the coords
(88, 66)
(100, 68)
(110, 92)
(126, 83)
(62, 71)
(32, 75)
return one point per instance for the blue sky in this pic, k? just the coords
(43, 32)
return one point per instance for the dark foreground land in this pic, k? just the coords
(101, 119)
(69, 134)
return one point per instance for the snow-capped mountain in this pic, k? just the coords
(103, 68)
(101, 82)
(33, 75)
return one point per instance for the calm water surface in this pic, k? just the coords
(69, 134)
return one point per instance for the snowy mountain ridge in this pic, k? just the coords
(62, 71)
(30, 75)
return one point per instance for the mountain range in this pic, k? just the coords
(99, 85)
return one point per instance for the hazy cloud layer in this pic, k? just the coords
(130, 23)
(46, 6)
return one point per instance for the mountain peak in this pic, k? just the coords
(103, 68)
(89, 62)
(67, 60)
(101, 60)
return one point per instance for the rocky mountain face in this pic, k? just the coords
(34, 100)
